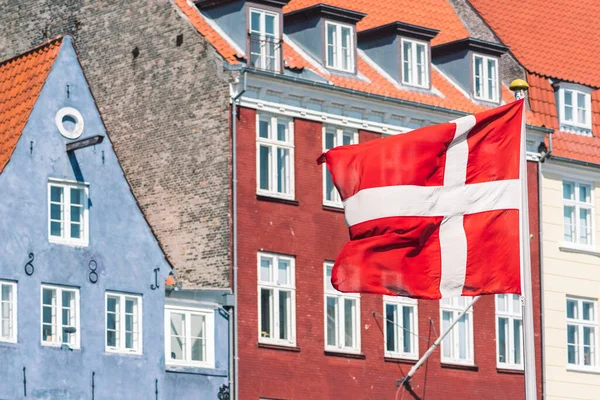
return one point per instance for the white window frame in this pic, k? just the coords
(120, 347)
(578, 205)
(485, 95)
(276, 287)
(413, 78)
(339, 137)
(274, 144)
(511, 315)
(340, 316)
(337, 61)
(209, 329)
(454, 334)
(575, 124)
(400, 329)
(57, 338)
(13, 314)
(580, 323)
(263, 38)
(65, 237)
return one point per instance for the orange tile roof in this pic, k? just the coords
(434, 14)
(21, 81)
(554, 38)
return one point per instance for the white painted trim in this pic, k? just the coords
(454, 333)
(14, 317)
(79, 122)
(400, 301)
(580, 323)
(263, 37)
(307, 57)
(210, 334)
(577, 204)
(574, 126)
(275, 286)
(413, 63)
(336, 65)
(485, 59)
(339, 137)
(59, 323)
(120, 348)
(511, 316)
(569, 247)
(571, 171)
(66, 214)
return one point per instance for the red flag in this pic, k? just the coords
(434, 212)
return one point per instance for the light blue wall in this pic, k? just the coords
(457, 66)
(308, 34)
(385, 51)
(231, 17)
(120, 242)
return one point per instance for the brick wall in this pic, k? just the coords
(314, 235)
(166, 112)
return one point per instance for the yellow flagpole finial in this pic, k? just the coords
(518, 84)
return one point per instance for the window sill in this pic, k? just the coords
(337, 209)
(574, 368)
(356, 356)
(464, 367)
(195, 370)
(68, 243)
(294, 349)
(399, 360)
(510, 370)
(272, 199)
(579, 249)
(59, 347)
(122, 353)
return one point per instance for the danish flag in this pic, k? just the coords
(435, 212)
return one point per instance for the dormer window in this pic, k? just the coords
(264, 40)
(415, 63)
(574, 108)
(340, 46)
(485, 78)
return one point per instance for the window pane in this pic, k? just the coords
(516, 304)
(77, 196)
(407, 60)
(584, 226)
(284, 270)
(572, 309)
(517, 329)
(346, 49)
(266, 296)
(568, 218)
(284, 314)
(349, 313)
(581, 111)
(111, 304)
(584, 193)
(331, 321)
(421, 66)
(111, 321)
(572, 342)
(197, 326)
(56, 212)
(501, 302)
(407, 324)
(55, 229)
(328, 278)
(75, 231)
(56, 194)
(270, 24)
(331, 45)
(329, 140)
(568, 98)
(390, 327)
(265, 269)
(588, 311)
(568, 193)
(255, 21)
(491, 79)
(282, 170)
(6, 292)
(265, 168)
(177, 348)
(447, 342)
(48, 296)
(198, 350)
(282, 132)
(502, 339)
(463, 337)
(177, 324)
(347, 139)
(478, 76)
(263, 128)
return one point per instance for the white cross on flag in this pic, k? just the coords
(435, 212)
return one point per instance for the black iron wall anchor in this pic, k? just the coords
(155, 285)
(93, 384)
(93, 276)
(156, 388)
(29, 269)
(223, 392)
(24, 383)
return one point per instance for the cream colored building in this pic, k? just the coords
(570, 279)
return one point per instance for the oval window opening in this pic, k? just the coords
(69, 123)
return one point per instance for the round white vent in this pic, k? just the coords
(69, 122)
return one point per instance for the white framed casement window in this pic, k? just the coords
(123, 323)
(457, 347)
(415, 63)
(264, 40)
(60, 316)
(342, 317)
(486, 78)
(339, 46)
(582, 333)
(332, 137)
(8, 311)
(68, 213)
(578, 212)
(401, 327)
(276, 299)
(189, 336)
(509, 330)
(275, 156)
(575, 106)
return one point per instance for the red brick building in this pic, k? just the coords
(313, 76)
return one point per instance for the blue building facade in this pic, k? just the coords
(81, 273)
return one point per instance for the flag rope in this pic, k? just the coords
(376, 314)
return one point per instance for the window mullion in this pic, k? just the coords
(188, 336)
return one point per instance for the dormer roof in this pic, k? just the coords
(401, 29)
(206, 4)
(326, 11)
(476, 45)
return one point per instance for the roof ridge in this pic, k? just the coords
(32, 50)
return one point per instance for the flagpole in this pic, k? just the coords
(437, 342)
(520, 87)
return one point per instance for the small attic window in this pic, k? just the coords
(485, 78)
(339, 46)
(575, 107)
(265, 43)
(415, 63)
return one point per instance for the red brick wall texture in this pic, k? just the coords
(314, 235)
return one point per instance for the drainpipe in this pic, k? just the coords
(234, 235)
(541, 160)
